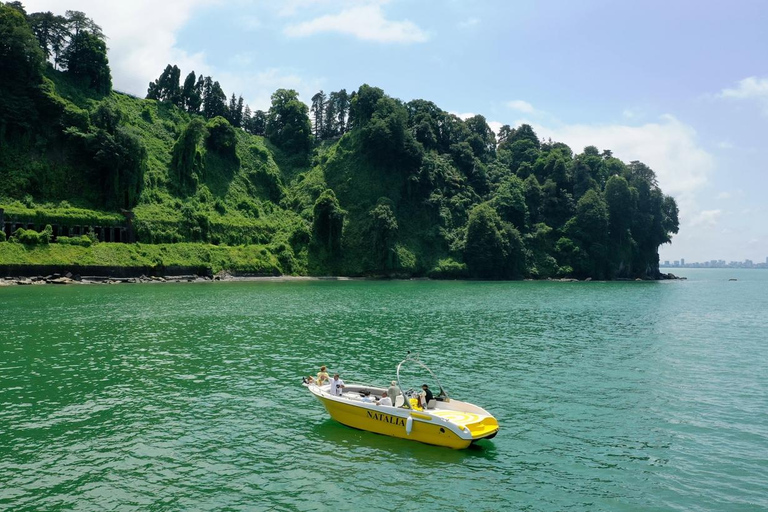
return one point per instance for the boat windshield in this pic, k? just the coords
(414, 359)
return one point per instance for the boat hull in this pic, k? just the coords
(399, 422)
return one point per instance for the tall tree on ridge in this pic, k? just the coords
(86, 59)
(318, 111)
(51, 32)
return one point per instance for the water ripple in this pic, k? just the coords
(611, 396)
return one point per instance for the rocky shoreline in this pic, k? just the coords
(75, 279)
(70, 278)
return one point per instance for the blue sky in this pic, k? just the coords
(679, 85)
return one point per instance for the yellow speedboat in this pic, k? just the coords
(444, 421)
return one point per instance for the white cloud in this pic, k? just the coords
(250, 23)
(751, 88)
(669, 147)
(141, 36)
(257, 88)
(291, 7)
(469, 23)
(522, 106)
(464, 116)
(732, 194)
(495, 126)
(633, 113)
(707, 218)
(141, 45)
(365, 22)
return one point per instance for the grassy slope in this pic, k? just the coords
(255, 259)
(239, 202)
(264, 197)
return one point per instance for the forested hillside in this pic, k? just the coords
(358, 184)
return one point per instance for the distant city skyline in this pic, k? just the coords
(681, 263)
(681, 86)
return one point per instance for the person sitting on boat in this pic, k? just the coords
(425, 396)
(367, 397)
(337, 385)
(322, 376)
(393, 391)
(384, 400)
(309, 380)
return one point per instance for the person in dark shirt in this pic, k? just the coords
(425, 396)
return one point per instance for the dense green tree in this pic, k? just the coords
(541, 245)
(620, 202)
(187, 160)
(517, 154)
(191, 94)
(504, 133)
(258, 123)
(214, 99)
(482, 139)
(18, 7)
(589, 230)
(247, 115)
(484, 248)
(330, 125)
(342, 100)
(288, 125)
(21, 62)
(533, 198)
(235, 111)
(363, 105)
(51, 32)
(493, 248)
(77, 21)
(383, 232)
(85, 58)
(221, 138)
(523, 132)
(318, 112)
(117, 161)
(328, 222)
(107, 116)
(509, 202)
(123, 164)
(166, 87)
(557, 205)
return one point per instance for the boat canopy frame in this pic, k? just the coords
(414, 358)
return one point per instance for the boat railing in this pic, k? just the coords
(414, 358)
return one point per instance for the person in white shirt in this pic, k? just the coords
(384, 400)
(337, 385)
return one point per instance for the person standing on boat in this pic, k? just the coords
(337, 385)
(393, 392)
(322, 376)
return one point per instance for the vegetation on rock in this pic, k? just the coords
(356, 184)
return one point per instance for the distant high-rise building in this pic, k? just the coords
(682, 262)
(666, 263)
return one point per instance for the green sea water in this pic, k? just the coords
(611, 396)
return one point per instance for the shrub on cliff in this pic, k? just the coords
(32, 237)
